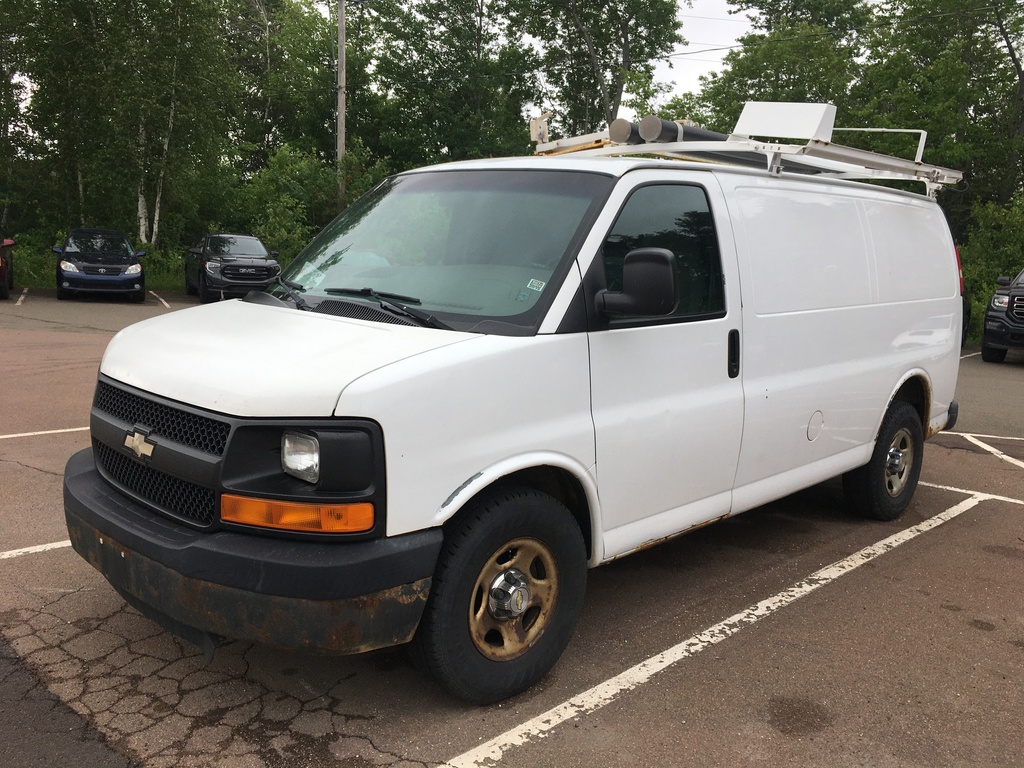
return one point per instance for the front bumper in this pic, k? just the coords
(1001, 335)
(336, 598)
(227, 287)
(81, 282)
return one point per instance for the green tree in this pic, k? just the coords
(796, 61)
(122, 100)
(457, 79)
(954, 71)
(590, 49)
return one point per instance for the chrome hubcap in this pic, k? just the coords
(509, 595)
(899, 462)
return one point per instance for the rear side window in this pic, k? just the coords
(676, 217)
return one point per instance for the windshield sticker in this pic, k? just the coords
(536, 285)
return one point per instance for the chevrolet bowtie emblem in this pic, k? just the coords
(139, 443)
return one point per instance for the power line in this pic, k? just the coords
(891, 22)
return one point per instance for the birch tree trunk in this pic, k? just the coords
(142, 210)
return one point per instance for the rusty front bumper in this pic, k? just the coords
(341, 598)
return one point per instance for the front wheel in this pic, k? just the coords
(882, 488)
(992, 354)
(205, 294)
(505, 598)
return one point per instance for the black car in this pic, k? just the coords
(99, 261)
(6, 266)
(1004, 320)
(222, 266)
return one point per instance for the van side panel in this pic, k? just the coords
(455, 421)
(847, 292)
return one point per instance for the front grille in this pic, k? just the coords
(182, 499)
(1017, 307)
(358, 311)
(199, 432)
(100, 270)
(234, 272)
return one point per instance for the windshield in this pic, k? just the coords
(480, 250)
(98, 242)
(233, 245)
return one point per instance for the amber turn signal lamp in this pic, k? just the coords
(294, 516)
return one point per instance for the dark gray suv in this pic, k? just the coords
(1004, 320)
(224, 266)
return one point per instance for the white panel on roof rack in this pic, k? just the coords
(787, 120)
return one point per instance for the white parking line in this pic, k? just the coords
(46, 432)
(33, 550)
(166, 305)
(971, 354)
(994, 451)
(21, 299)
(604, 693)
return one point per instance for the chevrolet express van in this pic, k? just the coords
(484, 378)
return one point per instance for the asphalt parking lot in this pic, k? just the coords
(791, 635)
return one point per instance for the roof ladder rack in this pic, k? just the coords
(813, 123)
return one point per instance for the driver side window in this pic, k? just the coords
(676, 217)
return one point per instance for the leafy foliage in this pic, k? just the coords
(169, 118)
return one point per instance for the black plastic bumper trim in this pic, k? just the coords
(252, 563)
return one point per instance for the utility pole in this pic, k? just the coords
(341, 104)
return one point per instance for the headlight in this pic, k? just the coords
(300, 456)
(212, 267)
(67, 266)
(999, 301)
(134, 269)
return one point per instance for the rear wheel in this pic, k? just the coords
(505, 598)
(992, 354)
(883, 488)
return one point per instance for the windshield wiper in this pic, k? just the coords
(290, 289)
(396, 302)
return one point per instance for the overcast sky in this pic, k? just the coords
(710, 30)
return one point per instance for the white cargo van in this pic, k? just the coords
(485, 377)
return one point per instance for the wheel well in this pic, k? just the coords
(915, 392)
(558, 484)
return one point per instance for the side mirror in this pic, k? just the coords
(1002, 280)
(56, 249)
(648, 285)
(196, 251)
(273, 254)
(139, 254)
(8, 243)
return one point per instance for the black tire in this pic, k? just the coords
(137, 297)
(463, 641)
(883, 488)
(190, 289)
(205, 294)
(4, 289)
(992, 354)
(63, 295)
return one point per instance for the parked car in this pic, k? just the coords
(99, 261)
(223, 266)
(1004, 320)
(6, 266)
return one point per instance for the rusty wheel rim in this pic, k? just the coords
(503, 638)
